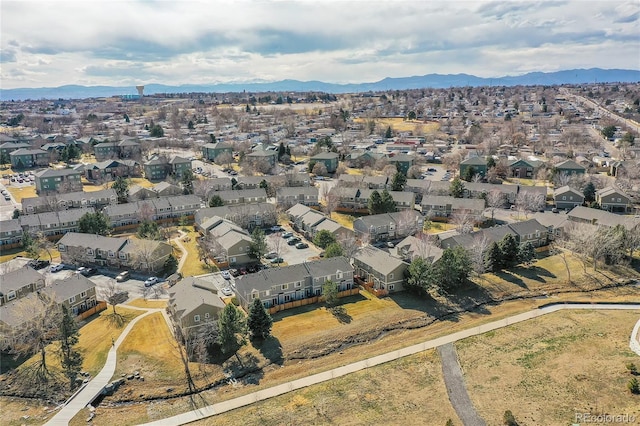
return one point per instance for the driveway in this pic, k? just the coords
(291, 254)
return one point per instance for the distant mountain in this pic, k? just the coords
(437, 81)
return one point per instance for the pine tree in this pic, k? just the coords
(456, 188)
(232, 330)
(398, 182)
(589, 193)
(387, 203)
(509, 249)
(388, 134)
(375, 203)
(526, 253)
(70, 358)
(259, 321)
(493, 258)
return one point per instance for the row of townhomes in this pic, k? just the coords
(113, 252)
(309, 222)
(21, 289)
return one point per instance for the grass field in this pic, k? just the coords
(343, 219)
(22, 192)
(402, 125)
(144, 303)
(547, 369)
(192, 266)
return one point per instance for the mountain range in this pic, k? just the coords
(436, 81)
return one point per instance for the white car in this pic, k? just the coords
(227, 291)
(226, 275)
(56, 267)
(151, 281)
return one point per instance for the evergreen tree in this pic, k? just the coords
(94, 223)
(212, 137)
(70, 358)
(323, 239)
(375, 203)
(398, 182)
(187, 181)
(232, 330)
(491, 162)
(469, 174)
(589, 192)
(156, 131)
(121, 186)
(388, 134)
(333, 250)
(259, 321)
(4, 158)
(216, 201)
(288, 151)
(456, 188)
(281, 151)
(330, 292)
(419, 275)
(526, 253)
(453, 268)
(509, 250)
(493, 258)
(387, 203)
(148, 230)
(170, 265)
(258, 245)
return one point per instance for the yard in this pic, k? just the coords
(547, 369)
(343, 219)
(192, 266)
(19, 193)
(402, 125)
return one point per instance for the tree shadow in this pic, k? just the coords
(313, 306)
(510, 277)
(470, 297)
(340, 313)
(118, 320)
(425, 303)
(270, 348)
(247, 371)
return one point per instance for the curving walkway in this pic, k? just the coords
(95, 386)
(456, 387)
(224, 406)
(185, 253)
(634, 342)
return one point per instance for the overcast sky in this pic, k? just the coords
(125, 43)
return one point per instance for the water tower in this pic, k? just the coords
(140, 90)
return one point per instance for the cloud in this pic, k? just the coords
(8, 55)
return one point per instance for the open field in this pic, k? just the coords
(547, 369)
(402, 125)
(343, 219)
(192, 266)
(19, 193)
(150, 304)
(400, 393)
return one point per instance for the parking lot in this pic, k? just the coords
(291, 254)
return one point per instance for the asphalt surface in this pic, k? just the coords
(456, 387)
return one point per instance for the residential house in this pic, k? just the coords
(267, 155)
(158, 168)
(60, 180)
(329, 159)
(402, 162)
(114, 253)
(245, 196)
(309, 221)
(19, 282)
(254, 182)
(140, 193)
(478, 165)
(599, 217)
(566, 197)
(232, 243)
(297, 179)
(413, 247)
(388, 226)
(247, 216)
(76, 292)
(166, 189)
(219, 184)
(350, 181)
(165, 209)
(480, 190)
(70, 200)
(403, 200)
(288, 196)
(109, 170)
(376, 182)
(445, 207)
(8, 147)
(614, 200)
(211, 151)
(26, 158)
(364, 158)
(569, 167)
(278, 286)
(193, 303)
(523, 169)
(383, 271)
(526, 231)
(10, 233)
(128, 148)
(53, 224)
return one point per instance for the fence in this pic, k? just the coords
(309, 301)
(101, 306)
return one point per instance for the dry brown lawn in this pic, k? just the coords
(547, 369)
(22, 192)
(144, 303)
(192, 266)
(402, 125)
(343, 219)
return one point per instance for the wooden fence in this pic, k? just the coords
(101, 306)
(309, 301)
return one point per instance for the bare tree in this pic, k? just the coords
(331, 200)
(146, 212)
(464, 221)
(477, 250)
(275, 243)
(112, 294)
(495, 200)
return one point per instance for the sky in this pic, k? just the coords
(127, 43)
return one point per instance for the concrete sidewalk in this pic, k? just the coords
(274, 391)
(95, 386)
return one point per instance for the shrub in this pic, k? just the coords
(509, 419)
(634, 386)
(631, 367)
(234, 300)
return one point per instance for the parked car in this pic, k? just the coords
(227, 291)
(150, 281)
(302, 245)
(56, 267)
(271, 255)
(276, 228)
(38, 263)
(226, 275)
(293, 241)
(234, 272)
(123, 276)
(277, 260)
(431, 169)
(287, 235)
(390, 244)
(80, 270)
(89, 271)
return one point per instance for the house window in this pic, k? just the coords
(391, 287)
(285, 286)
(206, 315)
(287, 298)
(90, 252)
(83, 294)
(61, 247)
(298, 284)
(111, 254)
(255, 295)
(390, 276)
(196, 318)
(72, 299)
(619, 200)
(339, 275)
(564, 197)
(11, 295)
(267, 292)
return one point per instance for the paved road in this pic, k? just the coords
(95, 386)
(224, 406)
(456, 387)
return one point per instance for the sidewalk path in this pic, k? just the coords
(456, 388)
(185, 253)
(95, 386)
(224, 406)
(634, 343)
